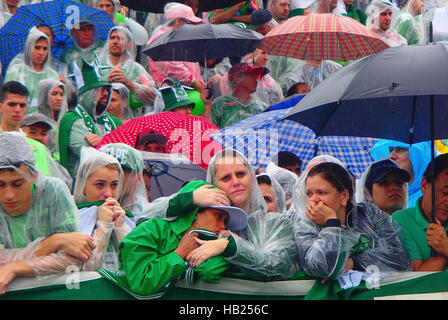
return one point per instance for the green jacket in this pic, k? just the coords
(149, 267)
(356, 14)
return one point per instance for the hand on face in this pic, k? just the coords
(319, 213)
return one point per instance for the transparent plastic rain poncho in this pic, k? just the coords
(51, 211)
(43, 106)
(123, 92)
(311, 72)
(419, 155)
(410, 26)
(299, 198)
(372, 239)
(438, 16)
(144, 90)
(373, 22)
(183, 71)
(279, 193)
(362, 193)
(268, 90)
(212, 75)
(6, 13)
(265, 248)
(92, 160)
(133, 193)
(280, 68)
(286, 178)
(23, 71)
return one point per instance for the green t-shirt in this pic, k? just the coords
(414, 226)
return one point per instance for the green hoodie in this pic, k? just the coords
(149, 267)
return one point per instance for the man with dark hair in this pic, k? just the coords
(288, 161)
(420, 233)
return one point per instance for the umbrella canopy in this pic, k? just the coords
(196, 43)
(169, 172)
(322, 37)
(187, 134)
(262, 136)
(56, 14)
(398, 94)
(386, 95)
(156, 6)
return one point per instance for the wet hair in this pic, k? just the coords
(337, 176)
(440, 164)
(287, 158)
(13, 87)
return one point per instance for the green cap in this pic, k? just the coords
(175, 97)
(128, 157)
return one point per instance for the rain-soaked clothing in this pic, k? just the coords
(227, 110)
(24, 72)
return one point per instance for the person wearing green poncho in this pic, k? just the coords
(97, 188)
(354, 13)
(39, 225)
(35, 65)
(119, 53)
(89, 121)
(155, 254)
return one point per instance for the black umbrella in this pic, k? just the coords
(197, 43)
(156, 6)
(400, 94)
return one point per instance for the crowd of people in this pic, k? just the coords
(66, 199)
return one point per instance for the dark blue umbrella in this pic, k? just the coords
(399, 94)
(169, 172)
(59, 15)
(197, 43)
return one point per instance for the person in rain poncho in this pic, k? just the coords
(153, 255)
(285, 178)
(380, 15)
(176, 15)
(354, 13)
(385, 184)
(333, 234)
(133, 193)
(13, 107)
(97, 188)
(9, 8)
(265, 249)
(421, 235)
(311, 72)
(412, 158)
(112, 8)
(34, 67)
(288, 160)
(409, 22)
(268, 90)
(86, 43)
(119, 53)
(89, 121)
(39, 225)
(212, 72)
(52, 103)
(238, 102)
(272, 192)
(119, 103)
(280, 9)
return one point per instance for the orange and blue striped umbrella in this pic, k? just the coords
(322, 37)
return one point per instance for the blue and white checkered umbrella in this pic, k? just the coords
(262, 136)
(59, 15)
